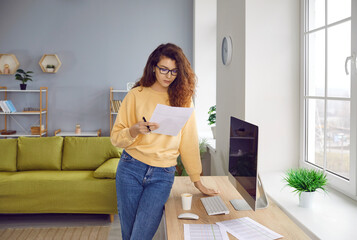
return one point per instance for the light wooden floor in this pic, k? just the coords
(52, 220)
(46, 221)
(58, 233)
(115, 230)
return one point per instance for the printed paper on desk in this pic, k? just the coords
(204, 231)
(247, 229)
(170, 119)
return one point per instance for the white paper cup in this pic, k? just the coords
(186, 201)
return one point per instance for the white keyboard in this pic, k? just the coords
(214, 205)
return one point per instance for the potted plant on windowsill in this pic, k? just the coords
(50, 68)
(212, 120)
(23, 76)
(305, 182)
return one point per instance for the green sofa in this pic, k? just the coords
(58, 175)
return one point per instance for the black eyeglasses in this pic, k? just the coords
(166, 71)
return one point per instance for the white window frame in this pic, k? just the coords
(347, 187)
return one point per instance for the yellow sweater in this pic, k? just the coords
(156, 149)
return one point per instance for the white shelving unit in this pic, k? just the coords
(23, 113)
(113, 114)
(42, 113)
(98, 133)
(22, 134)
(122, 91)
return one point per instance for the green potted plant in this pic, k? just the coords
(212, 120)
(23, 76)
(50, 68)
(305, 182)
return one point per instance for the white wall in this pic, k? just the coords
(272, 80)
(261, 85)
(204, 55)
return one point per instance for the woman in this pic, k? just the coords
(146, 168)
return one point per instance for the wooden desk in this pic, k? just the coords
(272, 217)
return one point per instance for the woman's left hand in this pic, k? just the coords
(205, 190)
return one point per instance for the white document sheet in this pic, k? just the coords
(170, 119)
(247, 229)
(204, 231)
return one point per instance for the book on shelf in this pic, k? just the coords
(115, 105)
(4, 107)
(10, 105)
(31, 109)
(7, 106)
(111, 106)
(2, 110)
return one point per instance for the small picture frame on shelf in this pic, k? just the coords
(129, 85)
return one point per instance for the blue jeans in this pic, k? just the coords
(142, 192)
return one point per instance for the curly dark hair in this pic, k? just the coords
(183, 88)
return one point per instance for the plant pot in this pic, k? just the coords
(306, 199)
(213, 128)
(23, 86)
(50, 70)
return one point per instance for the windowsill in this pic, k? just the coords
(332, 217)
(211, 144)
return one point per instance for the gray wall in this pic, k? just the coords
(101, 44)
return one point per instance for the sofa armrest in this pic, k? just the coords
(108, 169)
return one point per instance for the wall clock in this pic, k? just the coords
(227, 48)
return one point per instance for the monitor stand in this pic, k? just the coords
(262, 201)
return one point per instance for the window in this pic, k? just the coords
(329, 93)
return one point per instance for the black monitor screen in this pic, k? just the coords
(243, 154)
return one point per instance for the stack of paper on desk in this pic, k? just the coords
(241, 228)
(204, 231)
(246, 228)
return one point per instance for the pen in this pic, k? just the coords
(147, 126)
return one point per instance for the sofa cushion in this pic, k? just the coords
(8, 151)
(87, 153)
(36, 153)
(108, 169)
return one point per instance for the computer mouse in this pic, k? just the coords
(188, 216)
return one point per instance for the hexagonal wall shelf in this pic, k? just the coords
(50, 60)
(8, 64)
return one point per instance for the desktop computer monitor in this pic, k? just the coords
(243, 166)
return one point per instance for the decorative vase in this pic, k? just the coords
(78, 129)
(23, 86)
(306, 199)
(213, 128)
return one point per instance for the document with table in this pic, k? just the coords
(245, 229)
(242, 228)
(204, 231)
